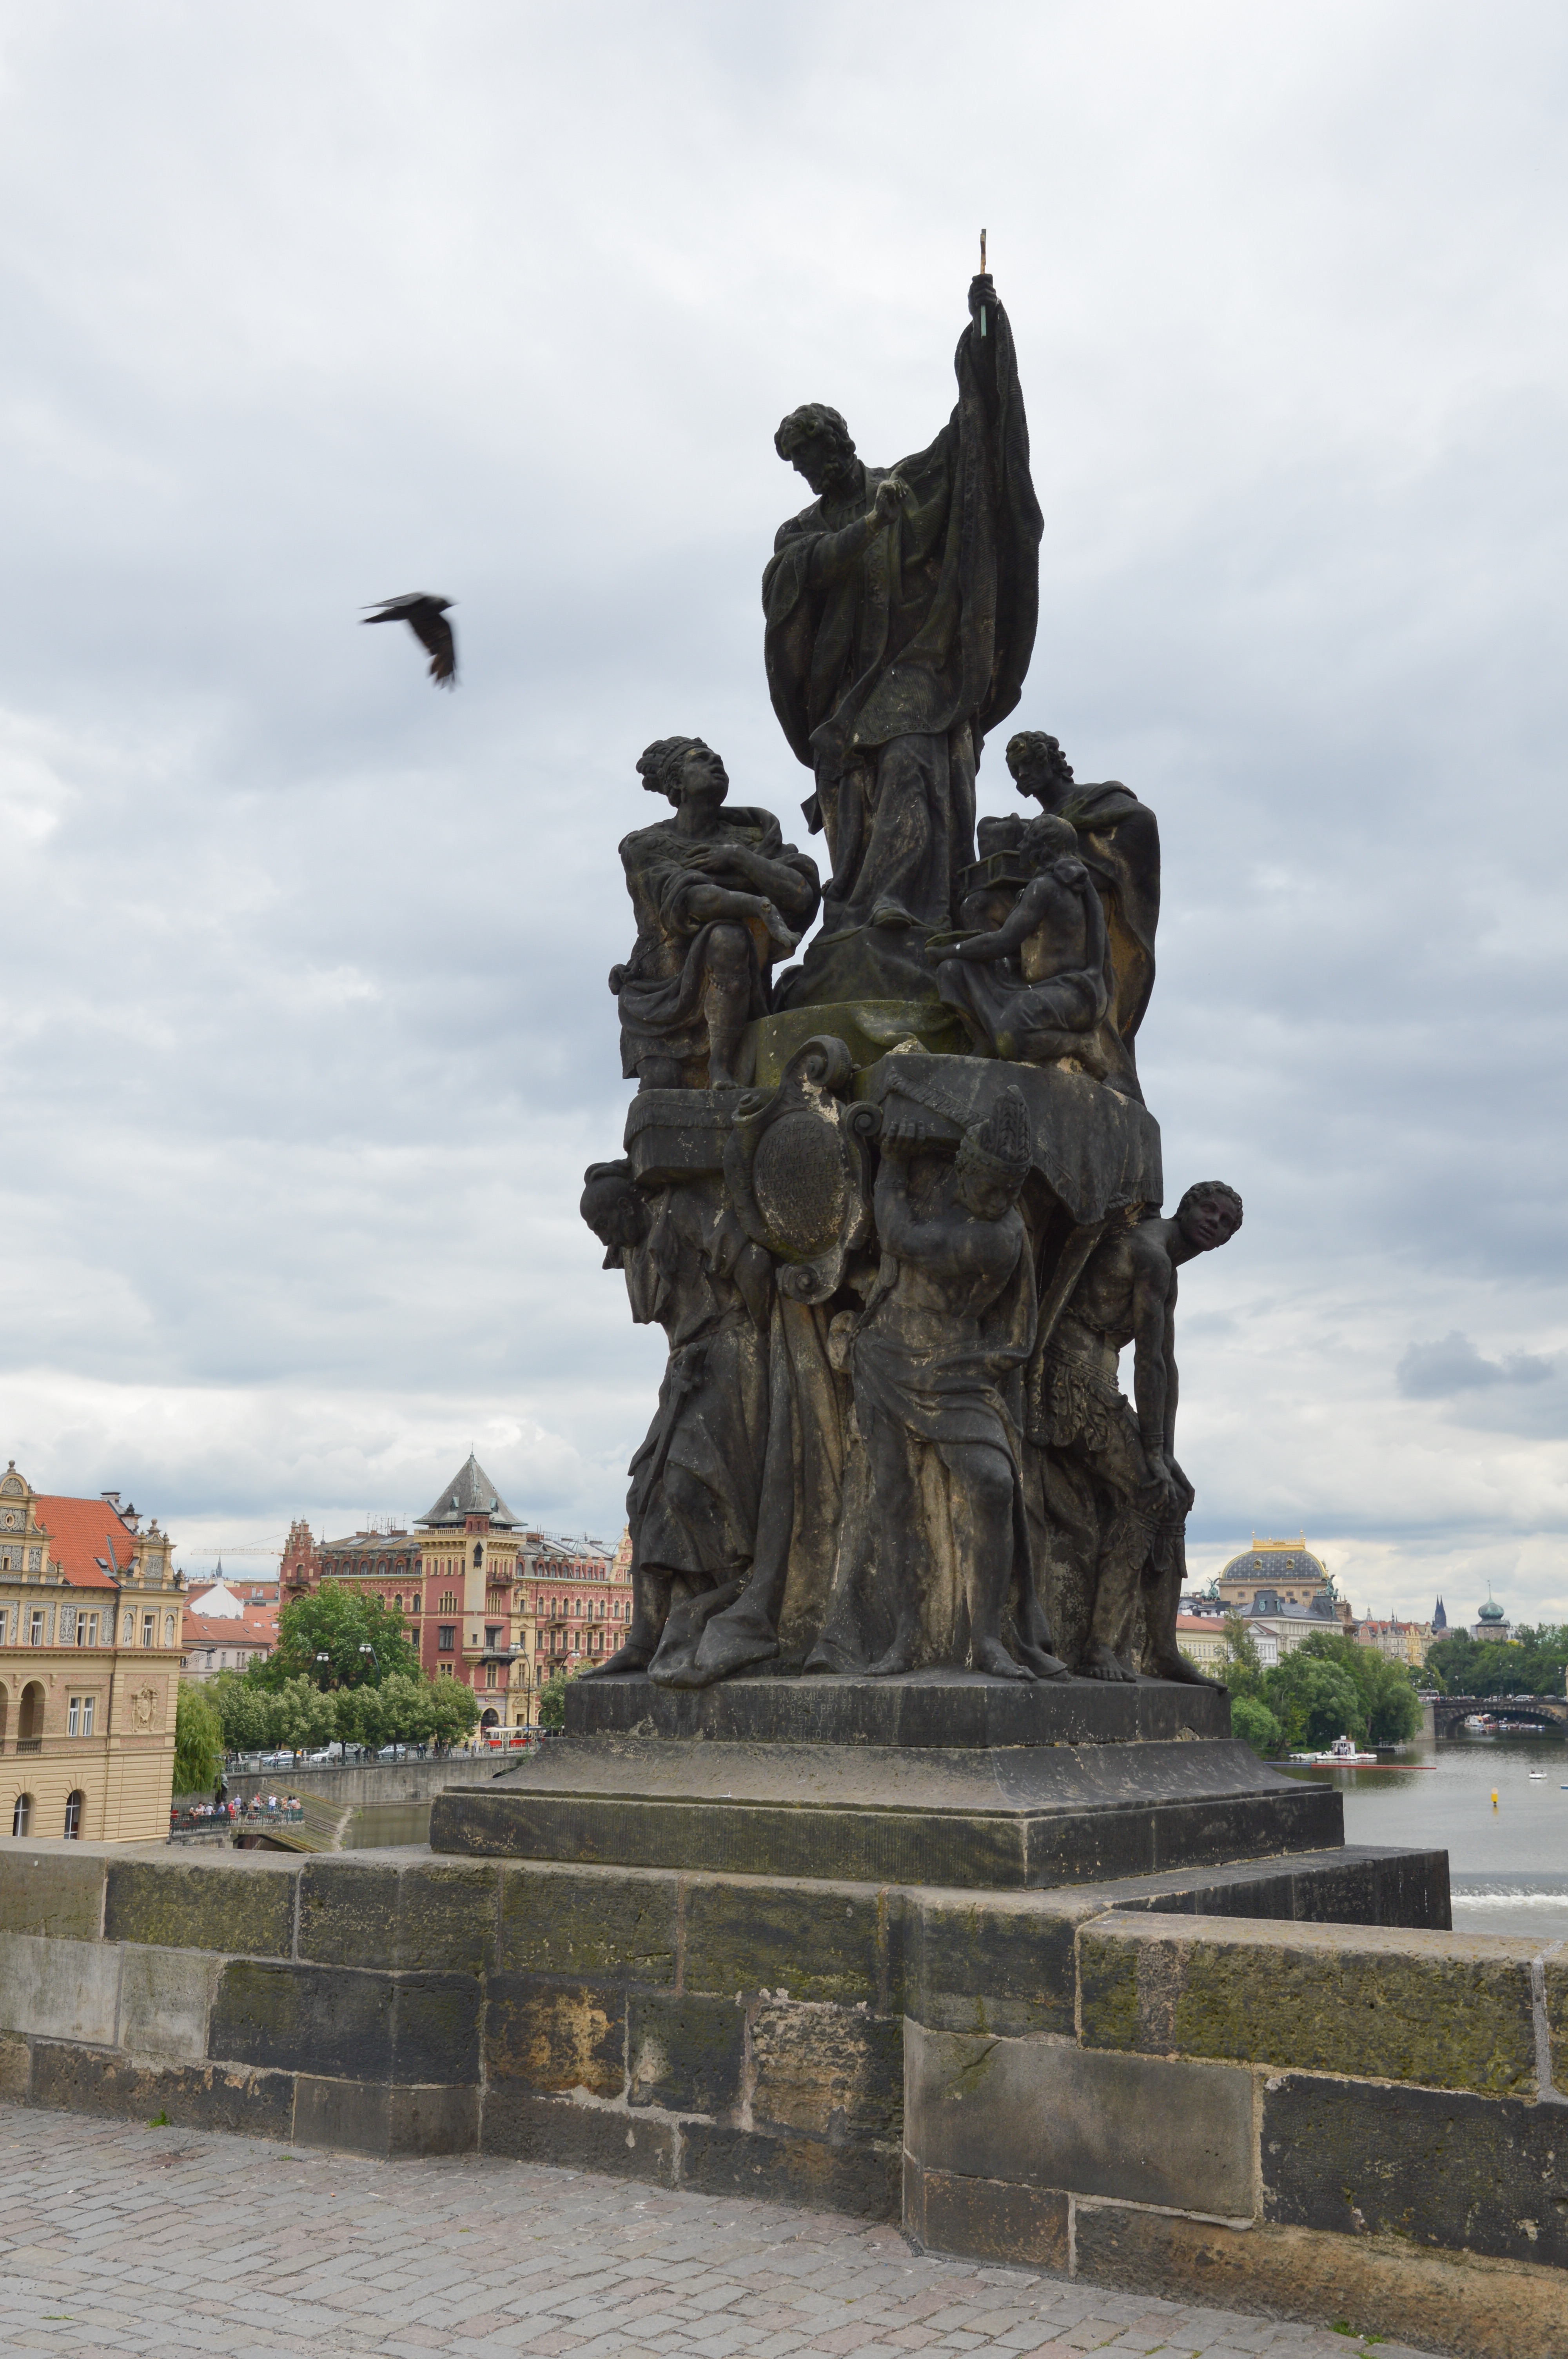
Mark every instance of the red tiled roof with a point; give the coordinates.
(1201, 1622)
(257, 1628)
(81, 1531)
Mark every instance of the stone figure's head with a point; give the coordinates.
(1209, 1215)
(993, 1157)
(614, 1207)
(818, 444)
(1039, 767)
(684, 769)
(1047, 841)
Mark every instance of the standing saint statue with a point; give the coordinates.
(901, 609)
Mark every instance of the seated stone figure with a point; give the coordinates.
(1118, 843)
(719, 896)
(1036, 987)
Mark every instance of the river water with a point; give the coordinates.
(1508, 1865)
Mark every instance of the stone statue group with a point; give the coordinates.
(897, 1206)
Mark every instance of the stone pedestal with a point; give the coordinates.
(949, 1779)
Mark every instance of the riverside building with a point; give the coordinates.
(90, 1645)
(485, 1598)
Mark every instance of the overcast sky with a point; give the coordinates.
(304, 1032)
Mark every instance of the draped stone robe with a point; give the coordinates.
(888, 662)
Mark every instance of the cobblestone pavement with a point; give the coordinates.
(117, 2239)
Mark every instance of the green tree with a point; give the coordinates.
(1389, 1708)
(338, 1637)
(198, 1740)
(552, 1711)
(301, 1716)
(1315, 1701)
(1256, 1724)
(244, 1711)
(454, 1709)
(1240, 1666)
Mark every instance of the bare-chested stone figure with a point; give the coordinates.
(1128, 1295)
(1034, 988)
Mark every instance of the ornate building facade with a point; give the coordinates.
(484, 1598)
(90, 1645)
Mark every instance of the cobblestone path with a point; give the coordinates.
(117, 2239)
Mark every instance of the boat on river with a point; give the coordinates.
(1341, 1754)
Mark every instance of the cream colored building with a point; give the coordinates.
(90, 1644)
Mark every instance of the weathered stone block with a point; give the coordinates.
(58, 1990)
(683, 2055)
(576, 2136)
(1366, 2001)
(1038, 2111)
(605, 1924)
(827, 2072)
(241, 1903)
(433, 1918)
(860, 2180)
(556, 2036)
(329, 2020)
(1474, 2308)
(165, 1997)
(811, 1941)
(348, 1913)
(16, 2068)
(369, 2117)
(194, 2096)
(1433, 2167)
(447, 1913)
(984, 2219)
(1000, 1962)
(54, 1890)
(1556, 1977)
(435, 2035)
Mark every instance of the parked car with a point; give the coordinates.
(394, 1753)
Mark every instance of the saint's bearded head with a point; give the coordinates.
(817, 443)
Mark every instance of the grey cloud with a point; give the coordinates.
(304, 1024)
(1436, 1371)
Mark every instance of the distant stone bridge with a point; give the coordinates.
(1448, 1712)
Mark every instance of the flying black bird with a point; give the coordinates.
(426, 618)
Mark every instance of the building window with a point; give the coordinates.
(22, 1815)
(413, 1608)
(491, 1637)
(478, 1554)
(490, 1675)
(448, 1601)
(73, 1817)
(87, 1629)
(446, 1636)
(149, 1629)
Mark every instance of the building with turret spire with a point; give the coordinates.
(484, 1598)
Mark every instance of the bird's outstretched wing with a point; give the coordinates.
(426, 618)
(432, 630)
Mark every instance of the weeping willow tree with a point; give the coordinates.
(198, 1740)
